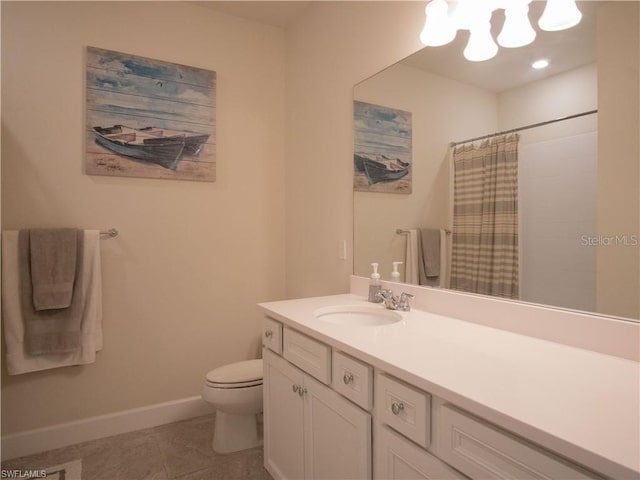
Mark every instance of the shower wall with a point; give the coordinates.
(557, 182)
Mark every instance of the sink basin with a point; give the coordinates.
(357, 315)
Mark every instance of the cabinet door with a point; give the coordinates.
(396, 458)
(337, 435)
(283, 418)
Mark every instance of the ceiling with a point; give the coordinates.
(565, 50)
(277, 13)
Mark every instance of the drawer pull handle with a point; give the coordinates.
(302, 391)
(347, 378)
(268, 333)
(396, 408)
(295, 388)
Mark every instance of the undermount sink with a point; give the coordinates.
(358, 315)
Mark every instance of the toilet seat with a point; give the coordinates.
(236, 375)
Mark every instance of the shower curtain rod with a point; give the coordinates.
(526, 127)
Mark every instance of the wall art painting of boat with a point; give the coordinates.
(149, 118)
(382, 149)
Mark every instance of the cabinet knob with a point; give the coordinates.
(347, 378)
(268, 333)
(295, 387)
(396, 408)
(302, 391)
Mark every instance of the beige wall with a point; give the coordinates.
(331, 48)
(442, 110)
(192, 259)
(619, 157)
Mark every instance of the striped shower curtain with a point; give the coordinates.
(484, 256)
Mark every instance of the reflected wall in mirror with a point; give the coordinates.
(578, 179)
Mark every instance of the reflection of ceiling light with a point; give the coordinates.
(559, 15)
(481, 46)
(539, 64)
(517, 30)
(437, 28)
(441, 24)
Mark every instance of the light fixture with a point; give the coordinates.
(441, 25)
(540, 64)
(438, 30)
(517, 30)
(559, 15)
(481, 46)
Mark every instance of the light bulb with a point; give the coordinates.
(517, 30)
(559, 15)
(438, 29)
(481, 46)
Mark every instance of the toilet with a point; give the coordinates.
(236, 392)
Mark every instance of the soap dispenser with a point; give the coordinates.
(374, 285)
(395, 274)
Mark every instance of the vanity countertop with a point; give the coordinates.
(581, 404)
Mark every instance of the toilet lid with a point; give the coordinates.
(246, 372)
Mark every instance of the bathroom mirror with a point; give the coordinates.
(577, 207)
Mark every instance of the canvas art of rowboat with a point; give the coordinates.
(380, 168)
(160, 146)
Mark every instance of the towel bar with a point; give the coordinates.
(400, 231)
(112, 232)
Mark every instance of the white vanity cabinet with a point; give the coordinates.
(344, 406)
(310, 431)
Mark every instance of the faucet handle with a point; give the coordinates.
(389, 299)
(385, 294)
(404, 302)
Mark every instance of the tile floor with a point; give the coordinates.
(179, 450)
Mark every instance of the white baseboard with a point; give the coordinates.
(65, 434)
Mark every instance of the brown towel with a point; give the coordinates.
(429, 256)
(53, 266)
(55, 330)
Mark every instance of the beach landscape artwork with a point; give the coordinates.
(382, 149)
(149, 118)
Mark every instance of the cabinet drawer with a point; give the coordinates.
(481, 450)
(396, 458)
(272, 335)
(353, 379)
(310, 355)
(403, 408)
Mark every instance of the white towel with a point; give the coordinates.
(445, 259)
(18, 361)
(412, 271)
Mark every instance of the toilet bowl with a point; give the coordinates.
(235, 390)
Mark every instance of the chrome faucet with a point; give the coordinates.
(392, 302)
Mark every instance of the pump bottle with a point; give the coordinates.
(395, 274)
(374, 285)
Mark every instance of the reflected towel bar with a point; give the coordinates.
(112, 233)
(400, 231)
